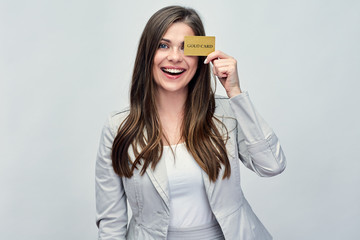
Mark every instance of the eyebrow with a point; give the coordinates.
(167, 40)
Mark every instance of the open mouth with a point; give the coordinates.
(173, 71)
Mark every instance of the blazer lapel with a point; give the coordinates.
(159, 179)
(209, 186)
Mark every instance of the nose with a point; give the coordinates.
(175, 55)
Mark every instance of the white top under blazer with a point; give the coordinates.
(189, 206)
(251, 141)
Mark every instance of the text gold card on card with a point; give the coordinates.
(198, 45)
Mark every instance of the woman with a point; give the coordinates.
(174, 154)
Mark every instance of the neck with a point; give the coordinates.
(171, 104)
(170, 107)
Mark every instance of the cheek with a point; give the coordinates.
(157, 59)
(156, 62)
(192, 62)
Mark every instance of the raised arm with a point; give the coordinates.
(259, 147)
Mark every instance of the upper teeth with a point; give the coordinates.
(173, 70)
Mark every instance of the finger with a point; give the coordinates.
(220, 68)
(225, 68)
(222, 72)
(216, 55)
(214, 70)
(223, 62)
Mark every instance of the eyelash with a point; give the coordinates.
(163, 45)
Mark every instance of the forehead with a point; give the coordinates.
(178, 30)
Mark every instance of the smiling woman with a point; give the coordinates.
(174, 155)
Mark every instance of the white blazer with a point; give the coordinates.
(251, 140)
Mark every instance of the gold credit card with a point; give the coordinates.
(198, 45)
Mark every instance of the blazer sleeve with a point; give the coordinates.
(259, 147)
(111, 206)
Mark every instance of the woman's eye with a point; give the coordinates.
(163, 45)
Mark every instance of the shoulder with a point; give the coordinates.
(115, 118)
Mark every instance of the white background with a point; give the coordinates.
(64, 65)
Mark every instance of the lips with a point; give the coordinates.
(173, 71)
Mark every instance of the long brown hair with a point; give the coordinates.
(141, 129)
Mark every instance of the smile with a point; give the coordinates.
(173, 71)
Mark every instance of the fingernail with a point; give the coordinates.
(205, 62)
